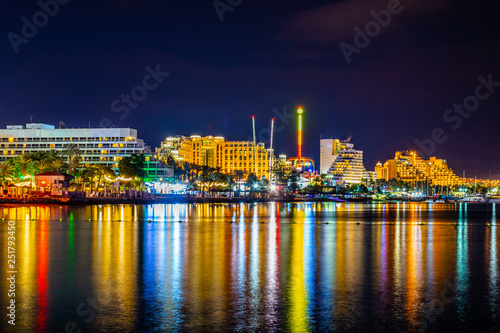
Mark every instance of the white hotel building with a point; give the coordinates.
(341, 162)
(97, 145)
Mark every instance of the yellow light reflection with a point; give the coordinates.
(298, 319)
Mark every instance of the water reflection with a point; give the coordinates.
(296, 293)
(462, 263)
(41, 276)
(275, 267)
(493, 299)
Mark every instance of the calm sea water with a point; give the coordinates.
(254, 268)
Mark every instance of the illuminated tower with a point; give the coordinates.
(254, 145)
(299, 134)
(271, 151)
(300, 163)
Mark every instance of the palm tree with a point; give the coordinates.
(211, 179)
(294, 181)
(251, 182)
(53, 155)
(170, 160)
(178, 170)
(42, 165)
(230, 182)
(23, 161)
(88, 175)
(74, 164)
(100, 171)
(6, 171)
(57, 164)
(197, 169)
(72, 150)
(281, 172)
(239, 175)
(322, 180)
(187, 167)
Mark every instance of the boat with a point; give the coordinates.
(474, 199)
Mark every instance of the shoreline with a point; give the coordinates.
(166, 200)
(189, 200)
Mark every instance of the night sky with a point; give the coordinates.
(264, 55)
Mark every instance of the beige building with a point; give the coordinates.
(170, 147)
(216, 152)
(411, 168)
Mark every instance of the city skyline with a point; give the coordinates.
(250, 166)
(344, 144)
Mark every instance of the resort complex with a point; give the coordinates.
(408, 167)
(342, 163)
(40, 158)
(216, 152)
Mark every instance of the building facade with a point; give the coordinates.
(344, 164)
(348, 168)
(407, 166)
(329, 150)
(216, 152)
(155, 170)
(106, 146)
(170, 147)
(97, 145)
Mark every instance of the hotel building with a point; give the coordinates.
(170, 147)
(216, 152)
(330, 149)
(407, 166)
(105, 146)
(341, 162)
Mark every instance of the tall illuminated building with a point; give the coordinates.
(329, 151)
(348, 168)
(216, 152)
(342, 163)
